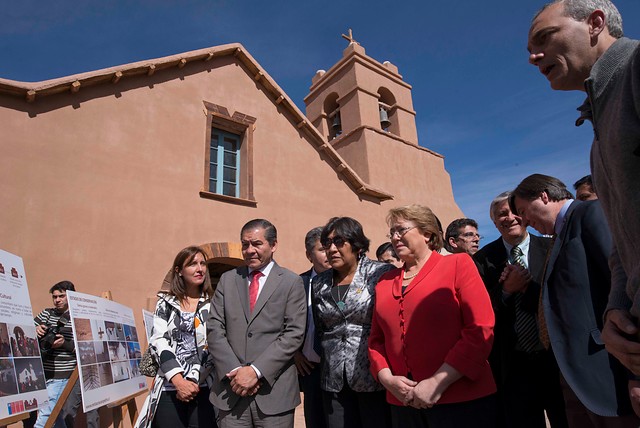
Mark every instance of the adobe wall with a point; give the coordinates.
(102, 187)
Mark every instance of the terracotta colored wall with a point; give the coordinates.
(101, 187)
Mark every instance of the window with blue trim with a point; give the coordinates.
(224, 163)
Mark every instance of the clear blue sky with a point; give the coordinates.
(478, 101)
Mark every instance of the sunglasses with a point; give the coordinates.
(338, 241)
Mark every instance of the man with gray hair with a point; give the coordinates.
(579, 45)
(526, 373)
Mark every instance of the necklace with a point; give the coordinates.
(405, 277)
(341, 304)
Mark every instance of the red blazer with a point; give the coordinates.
(445, 315)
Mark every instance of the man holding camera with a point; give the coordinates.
(53, 326)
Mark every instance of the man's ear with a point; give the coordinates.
(545, 197)
(452, 242)
(597, 23)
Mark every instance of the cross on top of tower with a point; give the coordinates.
(350, 37)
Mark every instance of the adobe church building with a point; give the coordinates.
(106, 175)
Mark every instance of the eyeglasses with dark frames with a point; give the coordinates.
(338, 241)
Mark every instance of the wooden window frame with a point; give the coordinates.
(243, 126)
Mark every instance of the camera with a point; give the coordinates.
(46, 342)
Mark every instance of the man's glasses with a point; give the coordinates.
(469, 235)
(400, 232)
(338, 241)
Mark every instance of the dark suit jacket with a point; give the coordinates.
(491, 261)
(268, 337)
(306, 279)
(577, 284)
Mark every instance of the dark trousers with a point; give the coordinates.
(350, 409)
(478, 413)
(581, 417)
(313, 408)
(530, 387)
(173, 413)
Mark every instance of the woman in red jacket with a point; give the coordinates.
(432, 331)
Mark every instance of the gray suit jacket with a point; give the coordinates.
(267, 338)
(576, 289)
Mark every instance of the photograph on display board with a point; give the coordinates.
(98, 329)
(135, 368)
(86, 353)
(106, 375)
(118, 351)
(114, 331)
(102, 352)
(30, 374)
(83, 329)
(5, 344)
(24, 340)
(121, 371)
(90, 377)
(8, 383)
(130, 333)
(134, 350)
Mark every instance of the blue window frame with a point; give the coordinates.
(224, 163)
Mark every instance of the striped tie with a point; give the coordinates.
(525, 326)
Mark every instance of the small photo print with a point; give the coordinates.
(98, 330)
(5, 344)
(87, 353)
(130, 333)
(102, 351)
(134, 350)
(135, 368)
(121, 371)
(115, 331)
(90, 377)
(106, 376)
(30, 374)
(8, 384)
(83, 329)
(118, 351)
(24, 340)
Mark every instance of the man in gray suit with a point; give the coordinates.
(257, 324)
(574, 294)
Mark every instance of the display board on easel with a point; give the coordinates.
(107, 348)
(22, 381)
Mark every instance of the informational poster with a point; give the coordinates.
(22, 382)
(147, 317)
(107, 348)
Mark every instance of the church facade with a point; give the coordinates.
(106, 175)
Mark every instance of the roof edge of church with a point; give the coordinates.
(31, 91)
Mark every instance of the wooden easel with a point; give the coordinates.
(13, 419)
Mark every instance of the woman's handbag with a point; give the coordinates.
(148, 364)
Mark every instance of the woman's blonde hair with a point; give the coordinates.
(424, 219)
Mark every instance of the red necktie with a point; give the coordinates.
(254, 287)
